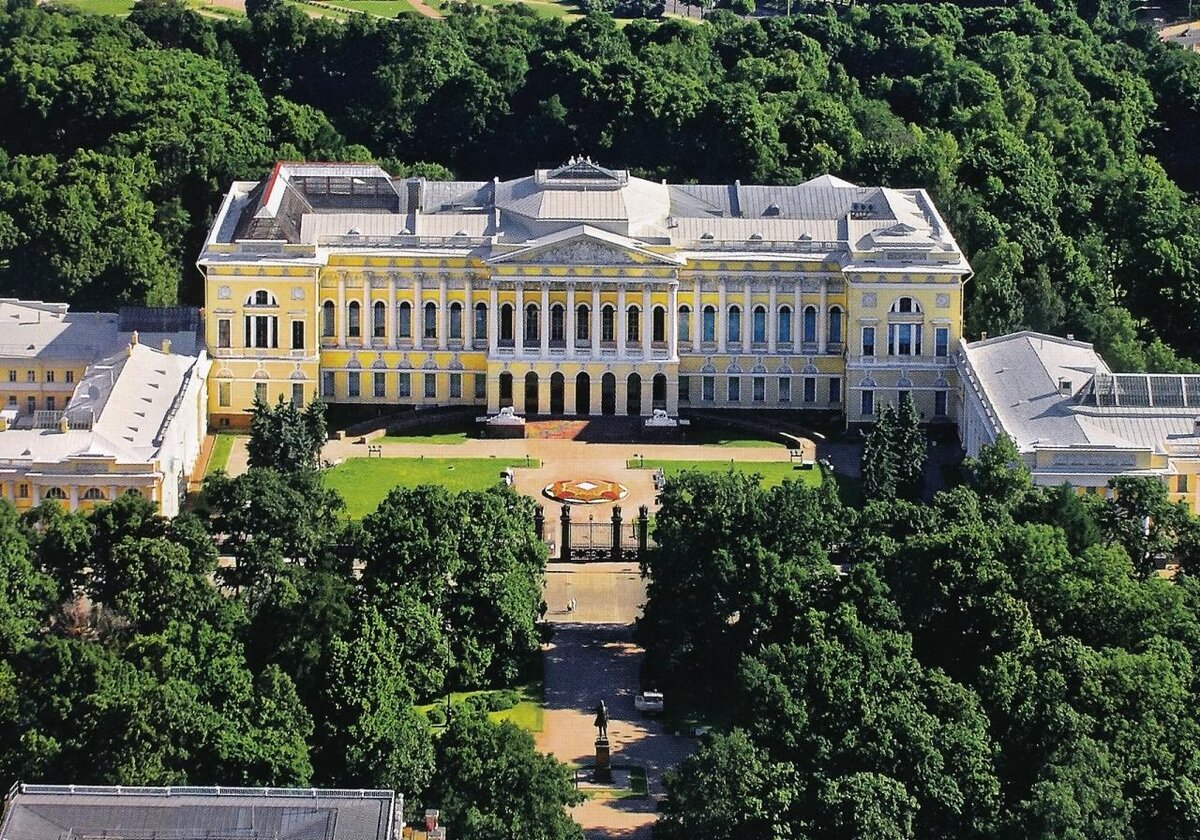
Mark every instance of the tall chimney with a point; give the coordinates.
(166, 346)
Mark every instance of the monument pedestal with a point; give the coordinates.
(603, 771)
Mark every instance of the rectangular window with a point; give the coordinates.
(297, 335)
(70, 376)
(760, 388)
(481, 322)
(868, 341)
(785, 389)
(1181, 483)
(481, 386)
(810, 389)
(12, 376)
(455, 386)
(835, 390)
(734, 389)
(379, 384)
(298, 394)
(939, 403)
(708, 325)
(708, 388)
(430, 321)
(868, 403)
(430, 386)
(224, 394)
(404, 388)
(260, 391)
(31, 404)
(352, 384)
(23, 491)
(405, 321)
(582, 324)
(49, 376)
(901, 396)
(223, 333)
(941, 342)
(30, 376)
(50, 403)
(685, 389)
(327, 384)
(455, 321)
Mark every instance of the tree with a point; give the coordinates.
(893, 459)
(371, 736)
(286, 437)
(481, 765)
(1139, 516)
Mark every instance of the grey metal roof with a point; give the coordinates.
(67, 812)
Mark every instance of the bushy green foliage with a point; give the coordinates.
(998, 663)
(286, 437)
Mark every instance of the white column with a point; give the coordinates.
(36, 493)
(747, 316)
(722, 317)
(443, 319)
(112, 492)
(418, 314)
(519, 330)
(697, 316)
(341, 310)
(74, 497)
(798, 315)
(493, 320)
(569, 329)
(672, 327)
(544, 325)
(596, 320)
(772, 318)
(822, 321)
(622, 321)
(392, 327)
(647, 321)
(468, 327)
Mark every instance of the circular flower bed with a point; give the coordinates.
(591, 491)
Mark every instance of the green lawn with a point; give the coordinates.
(121, 8)
(713, 436)
(222, 449)
(439, 438)
(773, 472)
(542, 8)
(363, 482)
(527, 714)
(379, 8)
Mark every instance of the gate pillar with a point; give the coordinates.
(616, 532)
(565, 542)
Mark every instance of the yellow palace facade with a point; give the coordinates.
(579, 291)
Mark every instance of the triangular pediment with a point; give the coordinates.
(585, 245)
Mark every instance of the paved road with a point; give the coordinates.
(585, 663)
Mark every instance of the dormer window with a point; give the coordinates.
(772, 209)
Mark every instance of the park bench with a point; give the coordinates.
(374, 451)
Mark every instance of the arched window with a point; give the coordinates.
(405, 327)
(785, 325)
(328, 312)
(379, 319)
(532, 333)
(93, 494)
(633, 324)
(56, 493)
(133, 491)
(835, 325)
(608, 323)
(431, 320)
(506, 322)
(906, 306)
(659, 332)
(709, 326)
(583, 326)
(261, 297)
(760, 325)
(557, 319)
(735, 324)
(456, 320)
(353, 323)
(685, 323)
(481, 320)
(810, 325)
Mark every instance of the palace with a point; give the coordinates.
(579, 291)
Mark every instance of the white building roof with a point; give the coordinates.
(1049, 392)
(48, 331)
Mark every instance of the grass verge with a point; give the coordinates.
(527, 714)
(218, 459)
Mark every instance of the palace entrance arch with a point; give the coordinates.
(531, 393)
(633, 397)
(557, 389)
(608, 394)
(583, 395)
